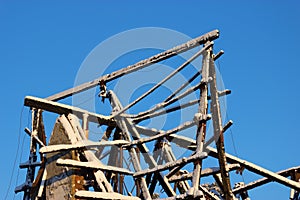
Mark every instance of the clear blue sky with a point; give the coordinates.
(43, 43)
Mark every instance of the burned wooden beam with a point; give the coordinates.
(60, 108)
(139, 65)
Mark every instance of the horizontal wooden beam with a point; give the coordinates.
(139, 65)
(204, 173)
(103, 195)
(81, 144)
(92, 165)
(60, 108)
(170, 165)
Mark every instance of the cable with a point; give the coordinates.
(16, 157)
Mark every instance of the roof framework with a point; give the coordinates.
(73, 167)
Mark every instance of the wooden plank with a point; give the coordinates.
(81, 144)
(103, 195)
(60, 108)
(139, 65)
(92, 165)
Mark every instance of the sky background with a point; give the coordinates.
(43, 43)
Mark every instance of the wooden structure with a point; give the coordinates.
(71, 166)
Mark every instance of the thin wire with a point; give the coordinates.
(16, 157)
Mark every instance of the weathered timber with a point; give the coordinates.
(169, 156)
(102, 182)
(171, 165)
(204, 173)
(265, 180)
(103, 195)
(202, 111)
(181, 67)
(141, 183)
(129, 126)
(256, 169)
(139, 65)
(183, 86)
(161, 134)
(175, 108)
(218, 130)
(208, 193)
(81, 144)
(171, 101)
(60, 108)
(34, 136)
(92, 165)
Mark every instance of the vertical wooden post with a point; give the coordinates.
(218, 131)
(121, 176)
(85, 124)
(201, 126)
